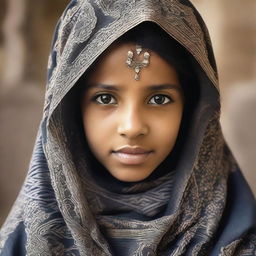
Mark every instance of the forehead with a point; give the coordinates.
(111, 67)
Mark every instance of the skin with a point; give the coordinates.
(119, 112)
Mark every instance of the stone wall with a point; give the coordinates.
(27, 27)
(21, 98)
(232, 24)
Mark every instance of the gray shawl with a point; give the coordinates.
(208, 208)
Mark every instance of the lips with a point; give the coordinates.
(132, 155)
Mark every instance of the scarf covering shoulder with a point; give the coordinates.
(210, 209)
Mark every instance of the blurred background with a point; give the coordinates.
(26, 28)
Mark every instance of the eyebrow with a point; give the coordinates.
(104, 86)
(150, 87)
(164, 86)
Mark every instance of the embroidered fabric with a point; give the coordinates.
(206, 207)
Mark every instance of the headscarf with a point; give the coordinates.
(201, 206)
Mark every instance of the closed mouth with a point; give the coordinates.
(132, 155)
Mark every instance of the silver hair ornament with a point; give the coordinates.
(137, 65)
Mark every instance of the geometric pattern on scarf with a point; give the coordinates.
(53, 213)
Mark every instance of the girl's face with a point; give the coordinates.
(131, 126)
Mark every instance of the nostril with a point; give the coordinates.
(132, 126)
(133, 133)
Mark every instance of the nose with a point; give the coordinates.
(132, 123)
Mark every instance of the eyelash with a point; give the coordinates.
(100, 102)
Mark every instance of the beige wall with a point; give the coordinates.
(232, 24)
(21, 96)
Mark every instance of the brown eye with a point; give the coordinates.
(160, 99)
(105, 99)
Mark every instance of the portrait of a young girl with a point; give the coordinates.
(130, 159)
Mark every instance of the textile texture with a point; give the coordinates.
(201, 207)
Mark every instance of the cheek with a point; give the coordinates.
(97, 128)
(167, 129)
(91, 127)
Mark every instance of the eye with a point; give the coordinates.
(105, 99)
(160, 99)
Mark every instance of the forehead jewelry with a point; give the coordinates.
(136, 64)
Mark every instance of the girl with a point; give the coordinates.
(130, 158)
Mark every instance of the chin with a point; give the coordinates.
(130, 177)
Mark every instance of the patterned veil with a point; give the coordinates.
(201, 207)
